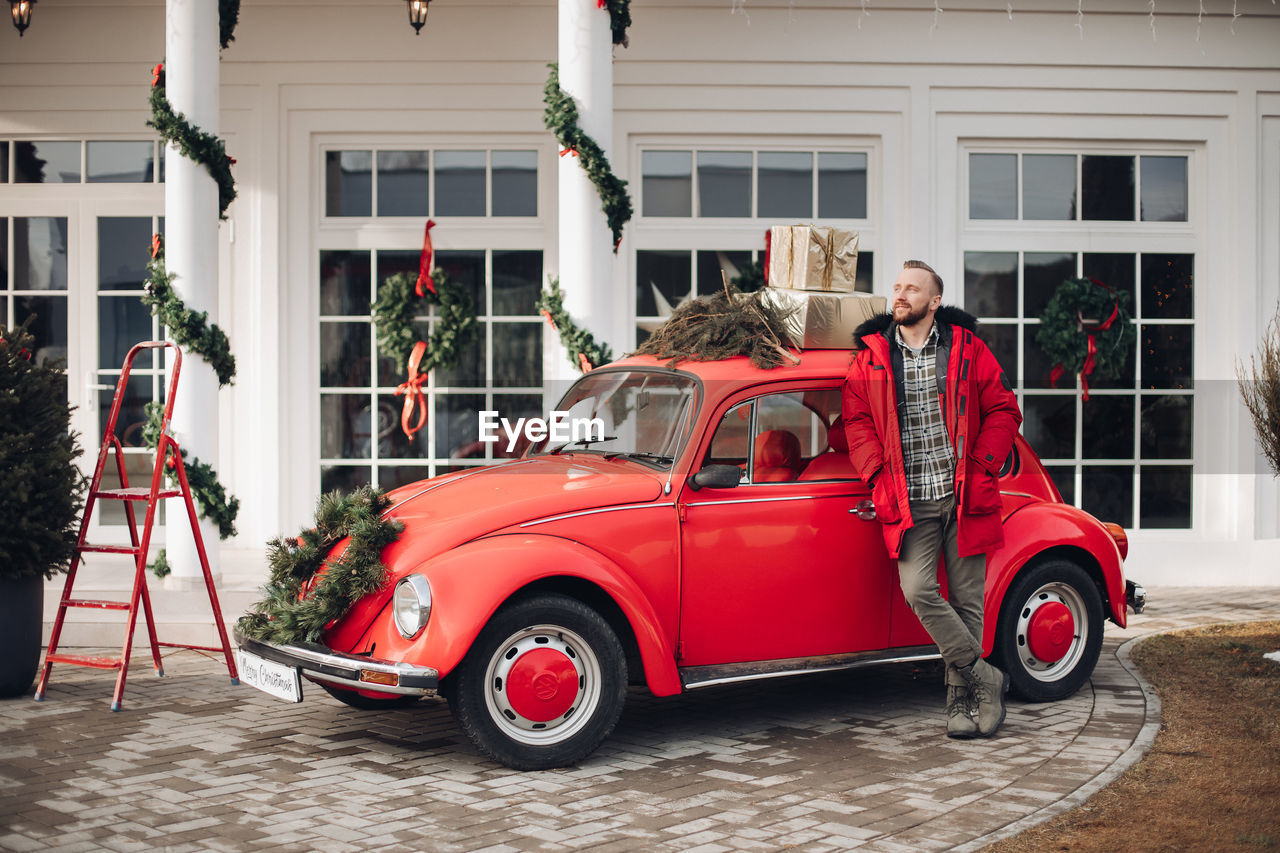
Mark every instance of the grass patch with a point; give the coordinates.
(1212, 779)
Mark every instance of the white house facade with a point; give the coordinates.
(1011, 145)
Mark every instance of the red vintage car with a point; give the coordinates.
(710, 530)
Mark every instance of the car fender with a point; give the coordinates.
(469, 583)
(1042, 528)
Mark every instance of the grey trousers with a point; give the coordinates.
(955, 624)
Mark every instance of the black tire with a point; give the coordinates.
(552, 710)
(368, 703)
(1050, 631)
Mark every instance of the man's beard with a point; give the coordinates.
(911, 317)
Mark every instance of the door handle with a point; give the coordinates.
(865, 510)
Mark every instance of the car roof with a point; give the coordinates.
(813, 364)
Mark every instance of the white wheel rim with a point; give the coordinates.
(1068, 596)
(507, 657)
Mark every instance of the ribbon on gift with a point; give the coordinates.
(828, 256)
(768, 250)
(1091, 343)
(411, 388)
(425, 262)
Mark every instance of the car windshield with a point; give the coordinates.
(642, 415)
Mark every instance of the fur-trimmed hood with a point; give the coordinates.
(948, 315)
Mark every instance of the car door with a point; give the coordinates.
(781, 565)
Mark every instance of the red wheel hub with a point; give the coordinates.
(542, 685)
(1051, 631)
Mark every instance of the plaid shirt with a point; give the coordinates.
(926, 448)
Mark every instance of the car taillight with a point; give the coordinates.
(1122, 538)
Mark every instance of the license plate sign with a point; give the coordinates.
(270, 677)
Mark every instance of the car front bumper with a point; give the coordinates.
(318, 663)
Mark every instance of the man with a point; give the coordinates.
(930, 419)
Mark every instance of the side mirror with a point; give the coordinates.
(716, 477)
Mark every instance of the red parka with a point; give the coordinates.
(981, 413)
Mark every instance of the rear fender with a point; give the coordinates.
(470, 583)
(1043, 529)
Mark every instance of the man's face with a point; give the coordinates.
(915, 297)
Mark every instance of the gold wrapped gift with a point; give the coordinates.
(824, 319)
(813, 257)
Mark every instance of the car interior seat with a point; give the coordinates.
(834, 464)
(777, 455)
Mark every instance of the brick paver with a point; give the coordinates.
(832, 762)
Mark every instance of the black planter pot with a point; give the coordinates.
(21, 622)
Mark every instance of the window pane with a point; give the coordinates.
(1108, 493)
(1107, 186)
(663, 281)
(122, 322)
(391, 373)
(711, 263)
(1002, 340)
(4, 260)
(120, 162)
(344, 426)
(517, 282)
(1166, 287)
(392, 442)
(400, 261)
(515, 183)
(511, 407)
(1036, 366)
(344, 283)
(124, 244)
(1049, 424)
(785, 184)
(1166, 426)
(1042, 272)
(50, 326)
(46, 162)
(460, 183)
(667, 183)
(344, 478)
(403, 183)
(1166, 356)
(469, 371)
(132, 417)
(344, 355)
(1048, 186)
(4, 161)
(1164, 189)
(1165, 496)
(348, 183)
(993, 186)
(1115, 270)
(39, 253)
(1064, 478)
(467, 269)
(842, 185)
(394, 476)
(517, 355)
(864, 279)
(457, 425)
(991, 283)
(724, 183)
(1107, 427)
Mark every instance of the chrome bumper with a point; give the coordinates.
(1135, 596)
(321, 664)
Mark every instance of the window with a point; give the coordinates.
(781, 438)
(439, 182)
(1124, 455)
(35, 285)
(76, 161)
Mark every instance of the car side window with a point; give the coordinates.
(732, 440)
(783, 438)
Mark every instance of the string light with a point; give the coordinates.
(740, 7)
(863, 14)
(1080, 18)
(1151, 16)
(937, 15)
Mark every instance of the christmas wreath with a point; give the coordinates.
(1085, 329)
(584, 352)
(298, 606)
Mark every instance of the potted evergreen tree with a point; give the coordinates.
(40, 496)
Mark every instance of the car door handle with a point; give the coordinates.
(865, 510)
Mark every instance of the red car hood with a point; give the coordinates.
(445, 512)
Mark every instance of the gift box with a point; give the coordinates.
(813, 257)
(823, 319)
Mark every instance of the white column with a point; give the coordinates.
(191, 253)
(586, 244)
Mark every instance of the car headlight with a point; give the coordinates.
(411, 605)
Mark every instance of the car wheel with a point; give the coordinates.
(1050, 631)
(368, 703)
(542, 685)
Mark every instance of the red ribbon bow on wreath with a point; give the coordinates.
(412, 391)
(425, 261)
(1091, 347)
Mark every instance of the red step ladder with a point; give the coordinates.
(166, 453)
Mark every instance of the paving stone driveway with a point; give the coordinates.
(831, 762)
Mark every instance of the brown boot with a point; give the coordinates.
(960, 724)
(988, 686)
